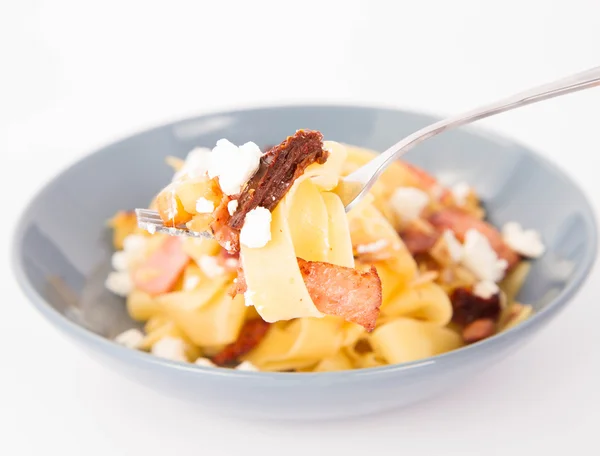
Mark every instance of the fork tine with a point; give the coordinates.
(151, 221)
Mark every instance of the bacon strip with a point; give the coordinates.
(417, 241)
(425, 180)
(336, 290)
(460, 222)
(278, 170)
(467, 307)
(251, 334)
(160, 271)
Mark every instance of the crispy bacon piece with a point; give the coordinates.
(425, 180)
(336, 290)
(460, 222)
(159, 273)
(278, 169)
(251, 334)
(344, 292)
(227, 237)
(468, 307)
(418, 241)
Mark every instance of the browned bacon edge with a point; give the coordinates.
(278, 169)
(468, 307)
(250, 335)
(348, 293)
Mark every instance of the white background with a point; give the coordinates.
(76, 75)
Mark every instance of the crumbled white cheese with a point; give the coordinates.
(233, 165)
(134, 250)
(204, 206)
(228, 246)
(481, 259)
(485, 289)
(135, 244)
(246, 366)
(455, 248)
(132, 338)
(210, 266)
(256, 231)
(119, 261)
(191, 282)
(232, 206)
(526, 242)
(460, 191)
(409, 202)
(119, 282)
(171, 348)
(195, 165)
(204, 362)
(372, 246)
(248, 295)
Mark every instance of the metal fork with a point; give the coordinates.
(355, 186)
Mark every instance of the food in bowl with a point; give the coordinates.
(290, 282)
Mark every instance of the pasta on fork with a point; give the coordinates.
(291, 282)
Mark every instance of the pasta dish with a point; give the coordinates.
(290, 282)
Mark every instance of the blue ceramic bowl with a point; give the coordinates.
(62, 255)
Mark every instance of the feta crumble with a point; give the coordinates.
(171, 348)
(409, 202)
(372, 246)
(119, 282)
(232, 206)
(132, 338)
(481, 259)
(455, 248)
(210, 266)
(256, 231)
(119, 261)
(191, 283)
(233, 165)
(204, 206)
(204, 362)
(195, 165)
(460, 192)
(246, 366)
(248, 295)
(526, 242)
(485, 289)
(135, 245)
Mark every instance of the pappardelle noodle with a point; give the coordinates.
(292, 283)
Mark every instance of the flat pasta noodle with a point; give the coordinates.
(299, 227)
(297, 344)
(426, 302)
(404, 340)
(211, 322)
(368, 225)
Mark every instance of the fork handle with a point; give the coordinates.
(565, 85)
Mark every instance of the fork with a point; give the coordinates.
(353, 188)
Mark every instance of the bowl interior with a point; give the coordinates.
(63, 247)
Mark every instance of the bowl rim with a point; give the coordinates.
(136, 356)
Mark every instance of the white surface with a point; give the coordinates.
(76, 75)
